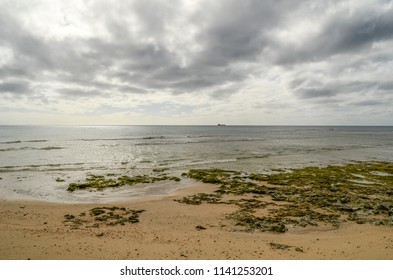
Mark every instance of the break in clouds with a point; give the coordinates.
(196, 62)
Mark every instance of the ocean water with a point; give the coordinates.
(32, 157)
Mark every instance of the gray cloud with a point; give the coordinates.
(14, 87)
(344, 32)
(309, 89)
(129, 89)
(233, 32)
(12, 71)
(75, 93)
(386, 86)
(367, 103)
(213, 49)
(316, 93)
(236, 31)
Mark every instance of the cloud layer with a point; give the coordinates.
(196, 62)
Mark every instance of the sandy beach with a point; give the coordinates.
(171, 230)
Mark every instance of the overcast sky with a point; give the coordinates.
(196, 62)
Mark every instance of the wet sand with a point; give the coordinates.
(169, 230)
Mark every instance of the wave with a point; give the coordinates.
(50, 148)
(152, 138)
(253, 156)
(211, 161)
(198, 142)
(200, 136)
(36, 141)
(50, 167)
(146, 140)
(11, 142)
(31, 148)
(26, 141)
(122, 139)
(184, 164)
(172, 140)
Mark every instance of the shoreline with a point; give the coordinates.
(171, 230)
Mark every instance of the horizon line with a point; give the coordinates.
(221, 125)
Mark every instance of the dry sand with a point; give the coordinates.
(167, 230)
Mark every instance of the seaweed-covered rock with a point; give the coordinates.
(359, 192)
(109, 216)
(100, 183)
(199, 198)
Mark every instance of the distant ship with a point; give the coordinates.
(221, 124)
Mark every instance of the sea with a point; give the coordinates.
(34, 158)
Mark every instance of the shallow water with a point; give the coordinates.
(32, 157)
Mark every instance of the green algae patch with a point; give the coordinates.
(249, 222)
(160, 170)
(279, 246)
(100, 182)
(210, 176)
(360, 192)
(69, 217)
(200, 198)
(103, 216)
(363, 173)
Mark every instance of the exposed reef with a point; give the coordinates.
(361, 192)
(100, 182)
(103, 216)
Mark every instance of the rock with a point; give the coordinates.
(200, 228)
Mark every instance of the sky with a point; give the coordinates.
(249, 62)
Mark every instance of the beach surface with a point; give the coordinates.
(171, 230)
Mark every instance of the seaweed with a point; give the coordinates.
(280, 246)
(69, 217)
(250, 222)
(160, 170)
(360, 192)
(199, 198)
(211, 176)
(109, 216)
(96, 211)
(100, 183)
